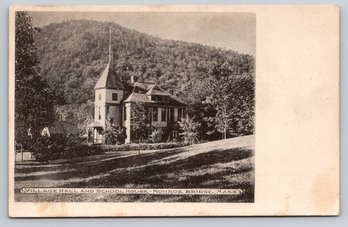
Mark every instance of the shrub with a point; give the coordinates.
(46, 149)
(156, 136)
(145, 146)
(189, 128)
(115, 135)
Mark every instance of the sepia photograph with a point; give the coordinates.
(173, 110)
(134, 106)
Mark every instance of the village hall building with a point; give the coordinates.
(113, 99)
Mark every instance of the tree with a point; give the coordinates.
(139, 121)
(34, 99)
(189, 128)
(80, 114)
(244, 99)
(232, 96)
(73, 54)
(202, 111)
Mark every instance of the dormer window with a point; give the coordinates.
(114, 97)
(159, 98)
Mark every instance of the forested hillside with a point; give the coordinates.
(72, 55)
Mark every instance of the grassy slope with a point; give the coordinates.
(219, 164)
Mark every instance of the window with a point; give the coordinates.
(164, 114)
(179, 114)
(157, 98)
(147, 114)
(100, 96)
(99, 116)
(155, 113)
(114, 97)
(107, 111)
(168, 114)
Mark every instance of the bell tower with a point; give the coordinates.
(109, 91)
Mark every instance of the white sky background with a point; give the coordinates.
(234, 31)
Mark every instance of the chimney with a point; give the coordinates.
(134, 79)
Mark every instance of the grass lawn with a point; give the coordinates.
(220, 164)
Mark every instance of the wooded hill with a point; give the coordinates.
(73, 54)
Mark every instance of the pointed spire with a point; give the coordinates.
(111, 54)
(109, 78)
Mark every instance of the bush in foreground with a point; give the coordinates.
(46, 149)
(145, 146)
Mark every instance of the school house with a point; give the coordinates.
(114, 98)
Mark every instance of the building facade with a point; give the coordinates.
(114, 99)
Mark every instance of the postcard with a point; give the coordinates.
(167, 110)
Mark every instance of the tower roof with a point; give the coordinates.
(109, 77)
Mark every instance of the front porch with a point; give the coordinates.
(95, 133)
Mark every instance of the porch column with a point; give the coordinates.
(127, 122)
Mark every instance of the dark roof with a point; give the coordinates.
(64, 127)
(142, 92)
(138, 97)
(144, 85)
(109, 79)
(155, 90)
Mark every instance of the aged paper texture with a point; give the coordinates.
(228, 110)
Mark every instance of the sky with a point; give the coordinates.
(234, 31)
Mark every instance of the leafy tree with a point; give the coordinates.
(244, 99)
(34, 99)
(232, 96)
(139, 121)
(189, 128)
(201, 112)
